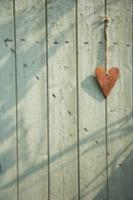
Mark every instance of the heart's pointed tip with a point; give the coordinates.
(105, 93)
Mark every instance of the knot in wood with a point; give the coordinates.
(106, 20)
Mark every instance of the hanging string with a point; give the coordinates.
(106, 78)
(106, 21)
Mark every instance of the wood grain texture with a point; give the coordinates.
(119, 111)
(62, 99)
(8, 166)
(32, 99)
(92, 132)
(47, 67)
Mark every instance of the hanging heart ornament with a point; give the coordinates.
(107, 79)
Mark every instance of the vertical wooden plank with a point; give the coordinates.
(120, 134)
(32, 99)
(92, 132)
(8, 172)
(62, 99)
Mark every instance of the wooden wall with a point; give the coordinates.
(59, 138)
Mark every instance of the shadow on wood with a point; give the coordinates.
(91, 87)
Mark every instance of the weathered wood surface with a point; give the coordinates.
(8, 163)
(62, 99)
(57, 133)
(32, 99)
(120, 103)
(91, 102)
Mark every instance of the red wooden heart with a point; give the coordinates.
(107, 79)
